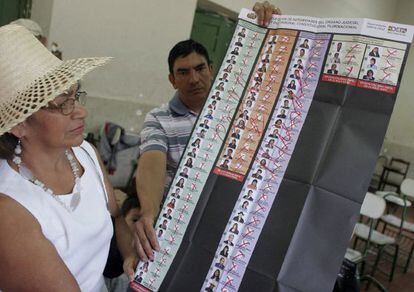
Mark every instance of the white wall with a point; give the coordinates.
(138, 34)
(42, 14)
(401, 128)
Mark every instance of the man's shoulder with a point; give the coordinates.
(162, 110)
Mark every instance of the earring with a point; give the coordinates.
(17, 151)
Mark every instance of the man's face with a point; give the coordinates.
(192, 77)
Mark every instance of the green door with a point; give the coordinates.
(214, 32)
(13, 9)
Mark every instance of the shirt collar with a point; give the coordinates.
(178, 107)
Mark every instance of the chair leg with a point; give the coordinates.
(355, 242)
(374, 267)
(394, 262)
(384, 227)
(377, 284)
(409, 258)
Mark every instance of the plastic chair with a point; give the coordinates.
(404, 227)
(373, 208)
(393, 174)
(358, 257)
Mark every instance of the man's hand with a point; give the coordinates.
(145, 240)
(130, 263)
(264, 11)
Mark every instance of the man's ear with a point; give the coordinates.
(172, 80)
(19, 130)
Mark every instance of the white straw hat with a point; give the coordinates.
(31, 76)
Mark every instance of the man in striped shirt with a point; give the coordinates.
(167, 130)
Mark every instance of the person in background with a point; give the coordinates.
(167, 129)
(33, 27)
(115, 279)
(37, 31)
(56, 201)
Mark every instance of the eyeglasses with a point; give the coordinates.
(68, 106)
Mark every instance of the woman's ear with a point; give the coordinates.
(19, 130)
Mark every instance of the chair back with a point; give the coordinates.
(407, 188)
(373, 206)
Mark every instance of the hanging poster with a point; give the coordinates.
(271, 182)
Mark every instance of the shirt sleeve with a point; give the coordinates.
(153, 135)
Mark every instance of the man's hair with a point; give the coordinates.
(185, 48)
(129, 204)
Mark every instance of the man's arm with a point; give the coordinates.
(150, 181)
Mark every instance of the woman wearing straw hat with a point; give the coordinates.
(55, 202)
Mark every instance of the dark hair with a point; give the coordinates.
(7, 144)
(185, 48)
(129, 203)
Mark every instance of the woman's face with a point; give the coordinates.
(51, 128)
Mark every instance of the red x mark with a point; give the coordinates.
(197, 175)
(240, 254)
(259, 209)
(233, 267)
(229, 282)
(263, 197)
(254, 221)
(157, 272)
(311, 65)
(392, 53)
(193, 186)
(166, 251)
(188, 197)
(247, 232)
(243, 244)
(172, 239)
(180, 217)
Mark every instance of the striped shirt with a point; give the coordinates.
(168, 129)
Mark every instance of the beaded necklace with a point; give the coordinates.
(27, 174)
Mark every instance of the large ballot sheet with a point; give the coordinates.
(271, 182)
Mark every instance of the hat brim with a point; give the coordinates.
(44, 89)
